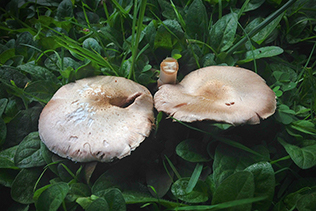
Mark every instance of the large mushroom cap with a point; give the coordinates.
(226, 94)
(97, 119)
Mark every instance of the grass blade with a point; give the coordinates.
(195, 177)
(261, 26)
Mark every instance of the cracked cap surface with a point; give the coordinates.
(97, 119)
(220, 93)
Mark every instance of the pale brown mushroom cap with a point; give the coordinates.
(97, 119)
(221, 93)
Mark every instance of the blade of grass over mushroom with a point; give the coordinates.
(194, 177)
(221, 139)
(261, 26)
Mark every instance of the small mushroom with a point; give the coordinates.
(97, 119)
(168, 71)
(226, 94)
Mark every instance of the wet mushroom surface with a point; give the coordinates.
(221, 93)
(97, 119)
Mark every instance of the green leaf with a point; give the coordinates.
(228, 160)
(304, 157)
(77, 190)
(64, 10)
(7, 74)
(174, 28)
(240, 185)
(7, 177)
(163, 39)
(7, 158)
(41, 91)
(52, 197)
(193, 151)
(3, 127)
(159, 179)
(24, 39)
(196, 21)
(87, 70)
(253, 4)
(133, 197)
(28, 153)
(303, 199)
(264, 184)
(23, 185)
(222, 33)
(38, 73)
(167, 10)
(263, 52)
(92, 44)
(24, 122)
(197, 195)
(284, 114)
(99, 204)
(115, 200)
(263, 34)
(307, 202)
(6, 55)
(304, 126)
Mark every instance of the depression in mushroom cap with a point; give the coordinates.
(225, 94)
(97, 119)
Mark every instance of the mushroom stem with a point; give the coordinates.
(168, 71)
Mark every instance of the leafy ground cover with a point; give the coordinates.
(199, 166)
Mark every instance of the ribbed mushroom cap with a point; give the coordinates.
(97, 119)
(221, 93)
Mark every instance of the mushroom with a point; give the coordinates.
(168, 71)
(226, 94)
(97, 119)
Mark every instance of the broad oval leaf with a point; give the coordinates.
(64, 9)
(197, 195)
(240, 185)
(115, 200)
(7, 158)
(264, 184)
(259, 53)
(193, 151)
(223, 32)
(99, 204)
(264, 33)
(77, 190)
(253, 4)
(41, 91)
(92, 45)
(196, 20)
(38, 73)
(228, 160)
(28, 153)
(304, 157)
(52, 197)
(23, 185)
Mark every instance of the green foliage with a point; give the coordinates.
(198, 166)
